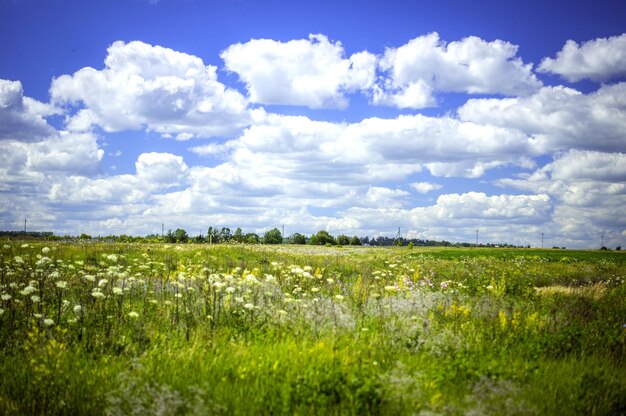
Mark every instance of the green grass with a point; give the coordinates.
(156, 329)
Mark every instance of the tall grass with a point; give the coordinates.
(166, 329)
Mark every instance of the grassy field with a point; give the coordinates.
(195, 329)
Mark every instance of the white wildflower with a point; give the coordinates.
(27, 290)
(102, 282)
(77, 308)
(118, 290)
(251, 279)
(61, 284)
(248, 306)
(48, 322)
(45, 250)
(6, 296)
(133, 314)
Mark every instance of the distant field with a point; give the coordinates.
(125, 329)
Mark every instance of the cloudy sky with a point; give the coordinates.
(358, 117)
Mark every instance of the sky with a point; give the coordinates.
(447, 119)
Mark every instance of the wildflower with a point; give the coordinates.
(133, 314)
(61, 284)
(443, 285)
(6, 296)
(239, 300)
(45, 250)
(230, 289)
(24, 245)
(77, 308)
(307, 275)
(112, 258)
(18, 259)
(35, 298)
(251, 279)
(38, 315)
(6, 246)
(315, 289)
(118, 290)
(330, 281)
(89, 278)
(48, 322)
(391, 289)
(269, 278)
(97, 294)
(248, 306)
(339, 297)
(490, 287)
(102, 282)
(178, 295)
(167, 302)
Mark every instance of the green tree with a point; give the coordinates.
(181, 235)
(273, 237)
(343, 240)
(298, 238)
(251, 238)
(213, 235)
(238, 236)
(355, 241)
(170, 237)
(322, 238)
(225, 234)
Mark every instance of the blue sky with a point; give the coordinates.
(356, 117)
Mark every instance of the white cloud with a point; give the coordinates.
(518, 208)
(598, 60)
(559, 118)
(22, 118)
(311, 72)
(161, 169)
(596, 166)
(145, 86)
(472, 65)
(425, 187)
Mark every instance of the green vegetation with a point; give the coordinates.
(122, 329)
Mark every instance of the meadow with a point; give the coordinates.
(174, 329)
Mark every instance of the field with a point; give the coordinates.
(232, 329)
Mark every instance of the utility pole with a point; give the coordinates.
(541, 240)
(24, 225)
(162, 229)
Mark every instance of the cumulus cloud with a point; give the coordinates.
(161, 169)
(152, 87)
(598, 60)
(312, 72)
(425, 187)
(427, 64)
(597, 166)
(22, 118)
(376, 149)
(559, 118)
